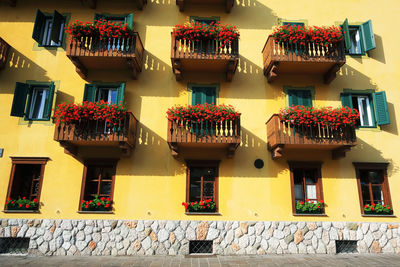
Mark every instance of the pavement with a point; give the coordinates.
(200, 261)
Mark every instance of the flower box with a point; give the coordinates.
(310, 207)
(378, 209)
(22, 204)
(206, 206)
(96, 204)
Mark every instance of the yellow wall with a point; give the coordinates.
(151, 184)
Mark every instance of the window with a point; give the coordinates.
(128, 19)
(33, 101)
(48, 29)
(202, 94)
(359, 39)
(299, 97)
(113, 94)
(98, 179)
(306, 182)
(26, 178)
(205, 20)
(293, 23)
(202, 181)
(372, 107)
(372, 183)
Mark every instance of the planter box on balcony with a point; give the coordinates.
(227, 3)
(93, 3)
(4, 47)
(113, 53)
(285, 58)
(204, 56)
(95, 133)
(207, 135)
(285, 136)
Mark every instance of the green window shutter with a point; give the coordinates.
(368, 36)
(98, 17)
(58, 19)
(89, 93)
(293, 23)
(198, 96)
(49, 102)
(346, 100)
(38, 27)
(346, 33)
(305, 98)
(19, 100)
(381, 108)
(129, 21)
(210, 93)
(120, 94)
(293, 98)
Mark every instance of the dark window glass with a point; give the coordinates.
(202, 183)
(99, 181)
(26, 181)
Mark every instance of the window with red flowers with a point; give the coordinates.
(306, 183)
(98, 183)
(373, 187)
(202, 181)
(25, 183)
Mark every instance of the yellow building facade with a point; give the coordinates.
(256, 207)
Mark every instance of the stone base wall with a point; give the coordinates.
(118, 237)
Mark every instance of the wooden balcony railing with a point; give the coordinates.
(311, 58)
(110, 53)
(4, 47)
(224, 134)
(227, 3)
(97, 133)
(204, 56)
(282, 136)
(93, 3)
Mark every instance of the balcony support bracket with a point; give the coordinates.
(230, 70)
(177, 69)
(174, 149)
(181, 4)
(80, 68)
(331, 74)
(276, 152)
(126, 149)
(340, 152)
(131, 66)
(69, 149)
(229, 5)
(12, 3)
(231, 150)
(272, 74)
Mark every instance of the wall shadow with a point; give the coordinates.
(378, 53)
(392, 127)
(62, 97)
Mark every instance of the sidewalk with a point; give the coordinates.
(265, 260)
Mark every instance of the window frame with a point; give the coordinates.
(319, 188)
(203, 164)
(286, 90)
(45, 27)
(192, 87)
(371, 107)
(97, 162)
(28, 105)
(197, 18)
(375, 166)
(26, 161)
(91, 91)
(362, 52)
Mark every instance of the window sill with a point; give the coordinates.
(310, 214)
(94, 212)
(378, 215)
(203, 213)
(21, 211)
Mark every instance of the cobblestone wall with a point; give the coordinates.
(118, 237)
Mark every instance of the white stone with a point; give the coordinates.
(81, 225)
(314, 242)
(66, 245)
(251, 230)
(281, 225)
(338, 225)
(383, 227)
(31, 232)
(163, 235)
(39, 240)
(389, 234)
(170, 226)
(244, 241)
(373, 227)
(388, 248)
(59, 242)
(273, 242)
(81, 245)
(58, 232)
(44, 247)
(308, 235)
(377, 234)
(124, 231)
(302, 248)
(383, 241)
(146, 243)
(368, 238)
(318, 232)
(264, 244)
(325, 237)
(67, 235)
(321, 247)
(301, 225)
(80, 236)
(326, 225)
(293, 228)
(190, 234)
(259, 227)
(96, 237)
(292, 248)
(283, 244)
(252, 240)
(229, 237)
(140, 226)
(212, 234)
(179, 234)
(220, 225)
(184, 224)
(66, 225)
(267, 225)
(365, 228)
(333, 234)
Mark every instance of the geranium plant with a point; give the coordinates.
(326, 116)
(101, 28)
(310, 207)
(112, 114)
(378, 209)
(202, 206)
(202, 112)
(22, 204)
(299, 34)
(96, 204)
(196, 31)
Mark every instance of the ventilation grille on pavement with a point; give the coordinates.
(14, 245)
(346, 246)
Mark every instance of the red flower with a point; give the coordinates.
(98, 203)
(24, 198)
(27, 206)
(20, 205)
(102, 199)
(301, 202)
(35, 200)
(107, 205)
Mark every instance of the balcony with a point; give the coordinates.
(209, 136)
(282, 136)
(96, 133)
(228, 4)
(4, 47)
(285, 58)
(93, 3)
(204, 56)
(112, 53)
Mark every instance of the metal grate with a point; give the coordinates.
(200, 247)
(14, 245)
(346, 246)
